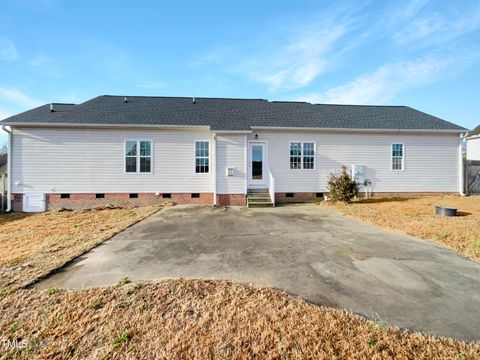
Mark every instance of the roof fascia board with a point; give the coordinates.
(206, 127)
(107, 126)
(232, 131)
(472, 137)
(452, 131)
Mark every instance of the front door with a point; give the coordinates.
(256, 164)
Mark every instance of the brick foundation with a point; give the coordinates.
(17, 202)
(298, 197)
(303, 197)
(405, 194)
(231, 200)
(85, 201)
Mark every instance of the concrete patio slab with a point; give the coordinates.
(306, 250)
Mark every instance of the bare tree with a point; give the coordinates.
(3, 154)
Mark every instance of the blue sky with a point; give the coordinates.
(420, 53)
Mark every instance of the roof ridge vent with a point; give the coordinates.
(51, 108)
(125, 99)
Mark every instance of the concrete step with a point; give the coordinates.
(259, 196)
(264, 200)
(262, 190)
(257, 204)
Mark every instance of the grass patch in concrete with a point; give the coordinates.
(416, 217)
(202, 319)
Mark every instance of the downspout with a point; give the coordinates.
(461, 167)
(214, 169)
(9, 169)
(245, 155)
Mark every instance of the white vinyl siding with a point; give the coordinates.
(473, 148)
(231, 154)
(93, 161)
(431, 164)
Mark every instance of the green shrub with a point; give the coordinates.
(121, 339)
(123, 281)
(342, 186)
(98, 304)
(53, 290)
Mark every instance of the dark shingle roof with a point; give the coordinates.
(231, 114)
(474, 132)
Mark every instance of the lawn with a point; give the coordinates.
(415, 216)
(32, 245)
(201, 319)
(179, 319)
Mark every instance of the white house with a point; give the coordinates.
(473, 144)
(143, 150)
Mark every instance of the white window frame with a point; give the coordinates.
(201, 157)
(301, 154)
(391, 157)
(138, 156)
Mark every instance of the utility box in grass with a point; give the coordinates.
(34, 202)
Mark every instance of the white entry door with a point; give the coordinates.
(256, 164)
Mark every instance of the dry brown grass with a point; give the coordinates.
(201, 319)
(32, 245)
(415, 216)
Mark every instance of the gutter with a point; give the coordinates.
(233, 132)
(214, 169)
(472, 137)
(358, 130)
(105, 126)
(207, 127)
(461, 167)
(9, 168)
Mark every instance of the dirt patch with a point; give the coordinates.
(32, 245)
(416, 217)
(201, 319)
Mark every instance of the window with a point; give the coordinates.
(302, 155)
(295, 155)
(131, 156)
(195, 195)
(133, 195)
(64, 196)
(167, 196)
(99, 196)
(145, 156)
(138, 156)
(308, 155)
(201, 157)
(397, 156)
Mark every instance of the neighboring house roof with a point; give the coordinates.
(475, 132)
(230, 114)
